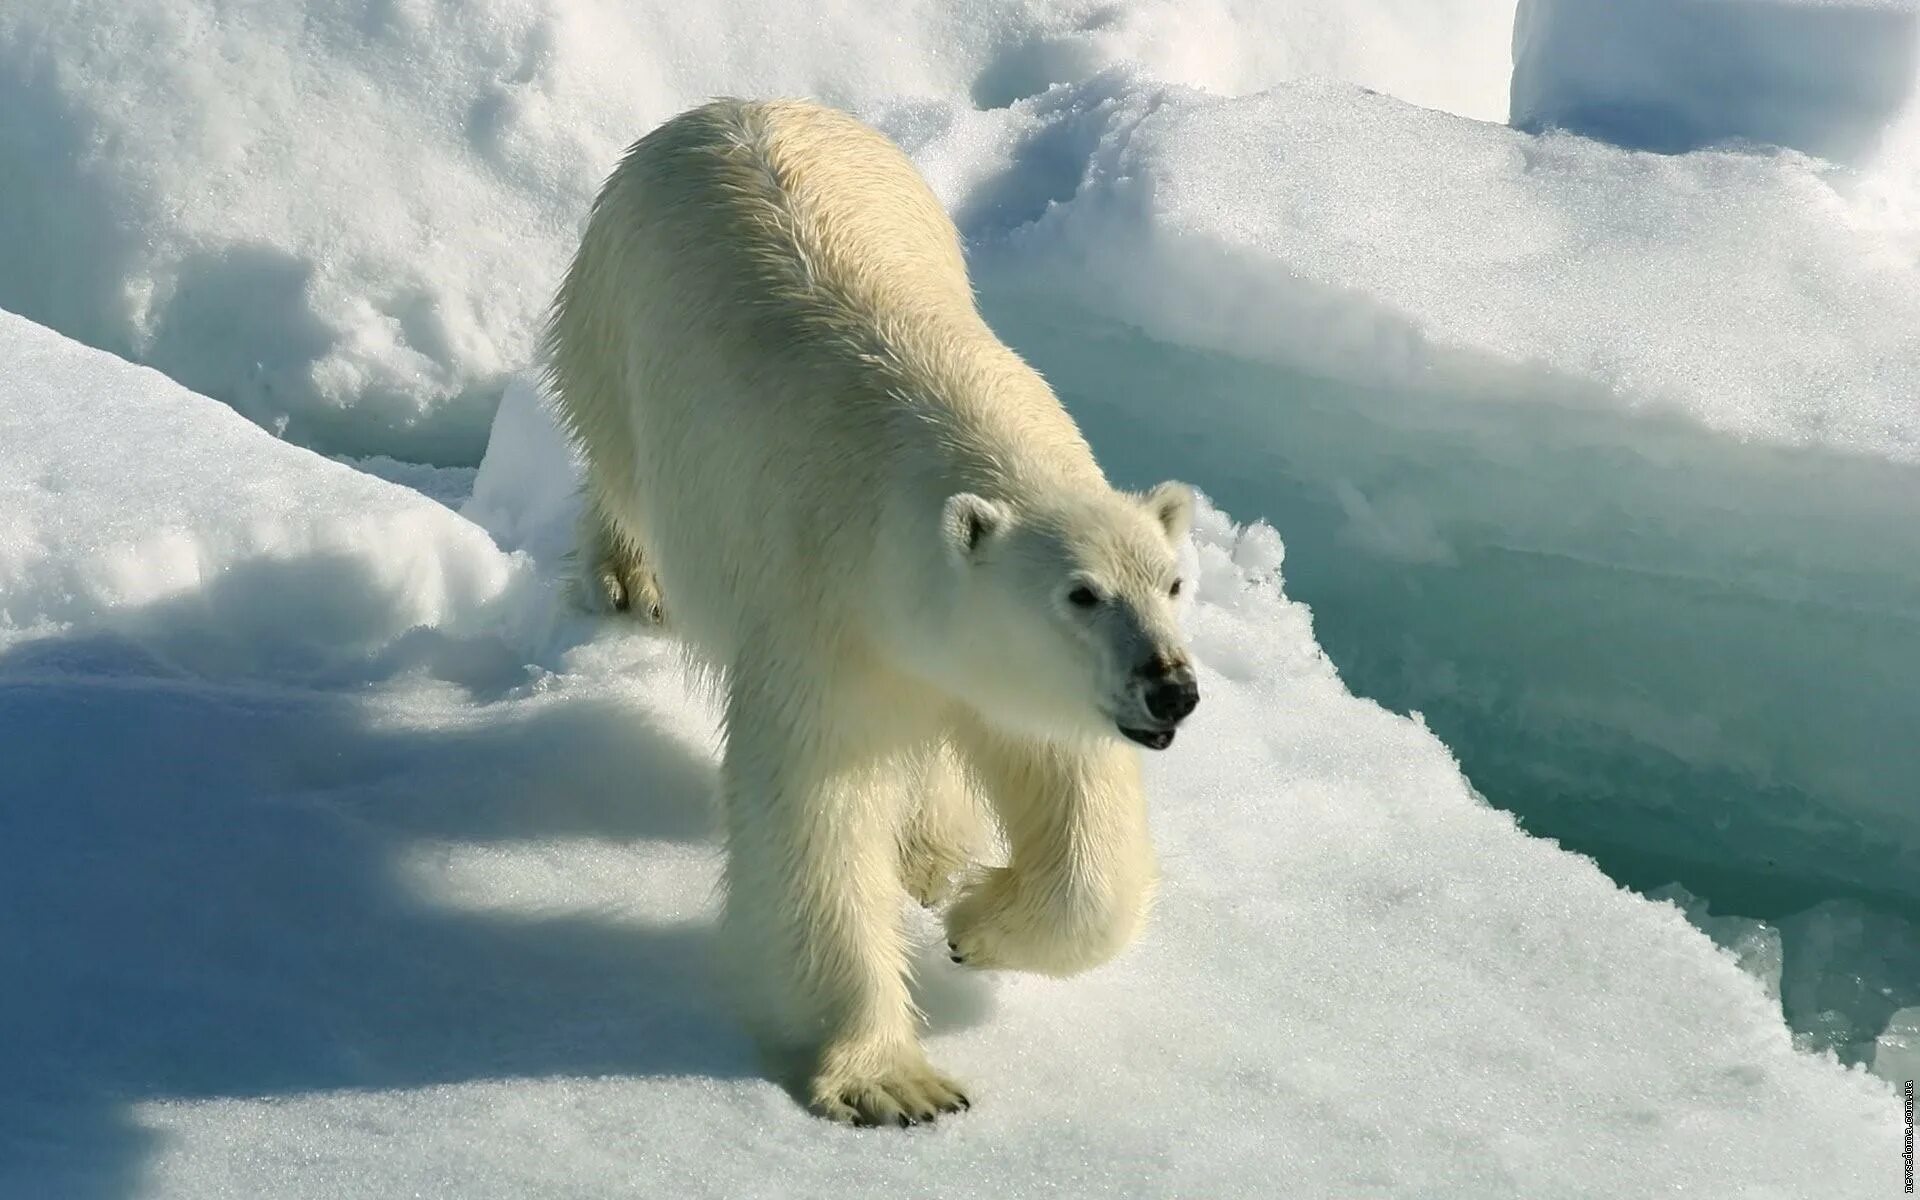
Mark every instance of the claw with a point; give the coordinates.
(907, 1097)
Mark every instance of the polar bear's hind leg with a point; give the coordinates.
(613, 572)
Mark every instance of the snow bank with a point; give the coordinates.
(1823, 76)
(434, 921)
(126, 500)
(344, 218)
(1374, 241)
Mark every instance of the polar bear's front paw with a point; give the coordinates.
(903, 1089)
(998, 924)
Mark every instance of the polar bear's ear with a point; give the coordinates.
(968, 523)
(1172, 505)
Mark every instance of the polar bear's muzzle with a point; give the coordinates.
(1168, 692)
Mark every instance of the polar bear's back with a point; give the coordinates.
(727, 346)
(834, 204)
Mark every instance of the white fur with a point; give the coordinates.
(866, 515)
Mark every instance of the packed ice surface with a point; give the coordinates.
(347, 862)
(1824, 76)
(344, 216)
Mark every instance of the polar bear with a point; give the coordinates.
(878, 529)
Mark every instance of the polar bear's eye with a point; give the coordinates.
(1083, 597)
(1174, 591)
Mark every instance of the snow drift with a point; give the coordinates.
(430, 915)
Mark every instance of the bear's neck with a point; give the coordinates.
(979, 419)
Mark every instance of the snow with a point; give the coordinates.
(344, 217)
(1755, 945)
(86, 540)
(514, 497)
(1823, 76)
(358, 864)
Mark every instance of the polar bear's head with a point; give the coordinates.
(1064, 611)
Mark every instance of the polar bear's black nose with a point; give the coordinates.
(1172, 695)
